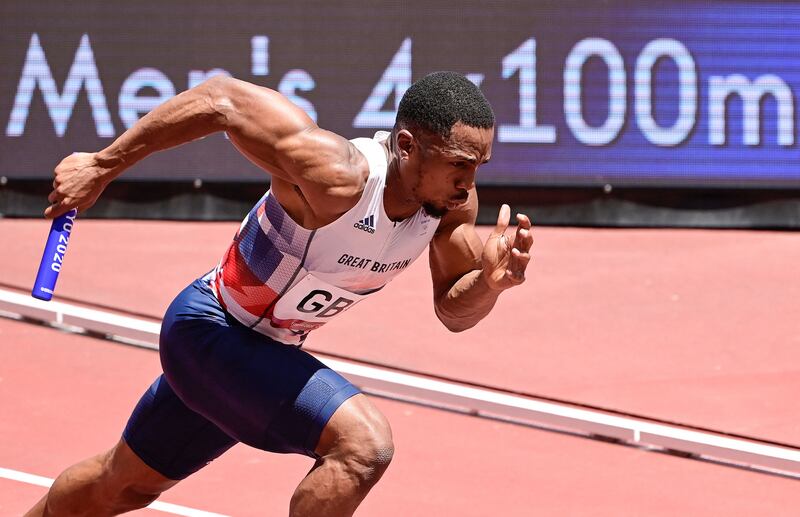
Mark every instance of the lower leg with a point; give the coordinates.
(355, 448)
(74, 492)
(107, 484)
(333, 489)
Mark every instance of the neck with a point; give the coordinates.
(398, 200)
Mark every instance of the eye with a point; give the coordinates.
(458, 164)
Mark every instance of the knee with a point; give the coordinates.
(97, 486)
(374, 454)
(367, 455)
(127, 483)
(116, 496)
(133, 498)
(357, 441)
(123, 493)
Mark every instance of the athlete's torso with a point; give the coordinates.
(284, 280)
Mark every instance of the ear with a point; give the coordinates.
(405, 144)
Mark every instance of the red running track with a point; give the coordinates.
(693, 326)
(65, 397)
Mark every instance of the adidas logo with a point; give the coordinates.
(367, 224)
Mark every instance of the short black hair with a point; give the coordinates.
(439, 100)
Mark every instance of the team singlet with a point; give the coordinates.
(284, 280)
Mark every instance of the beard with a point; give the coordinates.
(434, 211)
(438, 211)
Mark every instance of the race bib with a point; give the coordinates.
(312, 303)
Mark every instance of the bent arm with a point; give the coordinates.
(469, 276)
(466, 302)
(264, 125)
(249, 113)
(190, 115)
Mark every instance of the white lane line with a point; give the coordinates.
(24, 477)
(447, 394)
(175, 509)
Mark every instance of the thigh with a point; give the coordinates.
(169, 437)
(269, 395)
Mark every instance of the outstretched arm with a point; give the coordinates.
(265, 126)
(468, 276)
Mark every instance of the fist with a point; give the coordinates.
(79, 181)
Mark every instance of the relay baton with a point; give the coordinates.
(53, 256)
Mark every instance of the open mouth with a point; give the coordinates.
(458, 200)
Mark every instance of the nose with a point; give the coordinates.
(466, 182)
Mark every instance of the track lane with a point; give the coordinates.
(691, 326)
(70, 395)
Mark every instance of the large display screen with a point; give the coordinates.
(641, 93)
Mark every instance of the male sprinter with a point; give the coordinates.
(341, 219)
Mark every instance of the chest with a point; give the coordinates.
(365, 253)
(312, 208)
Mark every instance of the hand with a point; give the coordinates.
(79, 181)
(504, 262)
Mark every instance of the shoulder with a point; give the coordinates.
(324, 158)
(332, 172)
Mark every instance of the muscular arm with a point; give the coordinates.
(262, 124)
(468, 276)
(190, 115)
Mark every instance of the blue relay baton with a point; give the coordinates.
(53, 256)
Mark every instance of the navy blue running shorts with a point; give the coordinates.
(225, 383)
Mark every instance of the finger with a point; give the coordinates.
(523, 239)
(51, 211)
(514, 279)
(52, 197)
(524, 221)
(56, 209)
(59, 207)
(518, 262)
(503, 218)
(513, 268)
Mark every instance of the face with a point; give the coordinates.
(443, 170)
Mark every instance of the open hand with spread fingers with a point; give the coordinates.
(504, 260)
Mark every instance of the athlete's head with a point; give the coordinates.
(444, 131)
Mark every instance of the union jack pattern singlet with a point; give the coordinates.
(283, 280)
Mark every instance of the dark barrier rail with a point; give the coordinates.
(576, 206)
